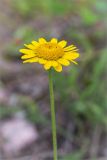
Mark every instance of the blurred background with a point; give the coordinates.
(80, 91)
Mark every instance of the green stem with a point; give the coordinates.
(53, 115)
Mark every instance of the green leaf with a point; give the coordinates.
(88, 16)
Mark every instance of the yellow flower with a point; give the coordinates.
(50, 53)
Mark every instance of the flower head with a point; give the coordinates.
(50, 53)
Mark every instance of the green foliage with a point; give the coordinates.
(99, 68)
(30, 108)
(25, 7)
(74, 156)
(7, 111)
(88, 92)
(32, 111)
(56, 7)
(88, 16)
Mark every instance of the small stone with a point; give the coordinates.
(17, 135)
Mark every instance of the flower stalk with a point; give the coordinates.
(53, 115)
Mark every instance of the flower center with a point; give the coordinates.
(49, 51)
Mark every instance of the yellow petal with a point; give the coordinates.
(28, 56)
(58, 68)
(71, 55)
(64, 62)
(30, 46)
(35, 43)
(62, 43)
(50, 64)
(54, 63)
(54, 40)
(32, 60)
(42, 61)
(42, 40)
(70, 48)
(47, 65)
(27, 51)
(74, 62)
